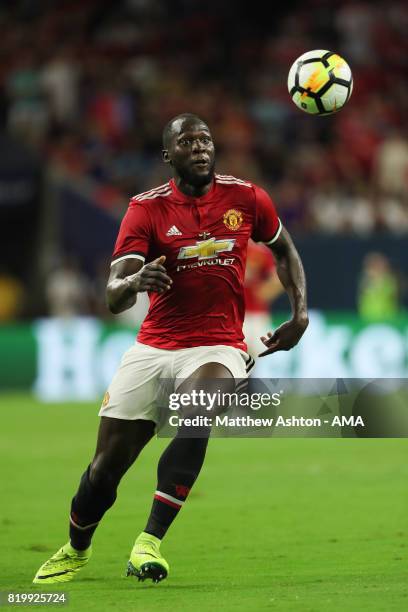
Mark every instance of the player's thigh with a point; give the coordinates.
(134, 389)
(212, 379)
(128, 412)
(219, 370)
(229, 362)
(208, 376)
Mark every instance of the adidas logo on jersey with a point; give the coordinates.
(173, 231)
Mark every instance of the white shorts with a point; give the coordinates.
(135, 391)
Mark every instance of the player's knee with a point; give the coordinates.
(103, 479)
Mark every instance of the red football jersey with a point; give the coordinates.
(205, 243)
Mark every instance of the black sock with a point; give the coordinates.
(177, 471)
(88, 506)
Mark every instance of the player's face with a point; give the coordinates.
(193, 155)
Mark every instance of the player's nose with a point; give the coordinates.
(198, 145)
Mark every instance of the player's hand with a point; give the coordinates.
(152, 277)
(285, 337)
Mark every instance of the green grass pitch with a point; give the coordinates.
(280, 524)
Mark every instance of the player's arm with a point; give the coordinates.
(129, 277)
(269, 230)
(291, 274)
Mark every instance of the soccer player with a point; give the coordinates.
(193, 232)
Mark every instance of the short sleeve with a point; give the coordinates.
(134, 234)
(267, 225)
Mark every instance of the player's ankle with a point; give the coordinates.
(80, 552)
(151, 537)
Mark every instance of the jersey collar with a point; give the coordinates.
(186, 199)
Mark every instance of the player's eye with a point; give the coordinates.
(184, 142)
(205, 140)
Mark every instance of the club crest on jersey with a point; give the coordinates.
(233, 219)
(206, 249)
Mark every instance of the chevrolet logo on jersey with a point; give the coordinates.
(206, 249)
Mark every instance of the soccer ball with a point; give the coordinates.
(320, 82)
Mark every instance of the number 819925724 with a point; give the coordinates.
(33, 598)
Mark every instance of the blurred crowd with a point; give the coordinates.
(90, 84)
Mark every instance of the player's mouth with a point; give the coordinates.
(201, 162)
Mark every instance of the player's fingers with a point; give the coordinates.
(161, 279)
(158, 282)
(156, 288)
(154, 281)
(155, 267)
(267, 340)
(159, 260)
(159, 286)
(269, 335)
(271, 349)
(157, 274)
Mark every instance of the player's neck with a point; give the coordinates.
(192, 190)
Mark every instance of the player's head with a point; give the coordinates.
(189, 149)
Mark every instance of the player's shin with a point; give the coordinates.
(88, 506)
(178, 469)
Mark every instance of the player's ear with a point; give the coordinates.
(165, 155)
